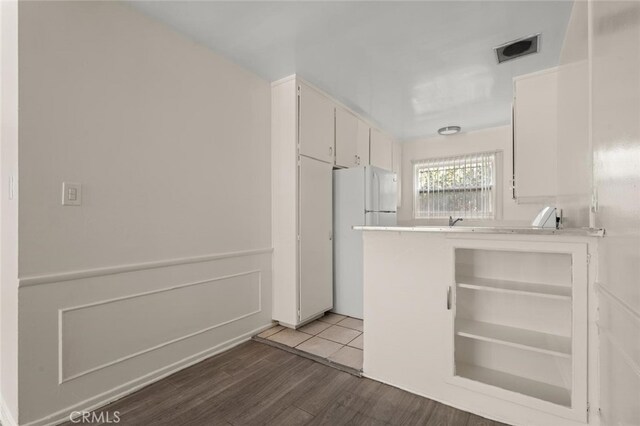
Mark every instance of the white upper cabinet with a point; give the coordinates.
(346, 138)
(362, 143)
(352, 140)
(535, 125)
(397, 167)
(381, 150)
(316, 124)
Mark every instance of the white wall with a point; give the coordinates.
(168, 259)
(492, 139)
(574, 171)
(8, 212)
(615, 126)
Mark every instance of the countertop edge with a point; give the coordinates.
(581, 232)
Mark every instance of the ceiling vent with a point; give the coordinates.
(518, 48)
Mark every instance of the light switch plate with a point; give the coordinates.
(71, 194)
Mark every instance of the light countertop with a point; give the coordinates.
(525, 230)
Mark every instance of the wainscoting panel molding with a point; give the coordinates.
(616, 314)
(100, 334)
(95, 338)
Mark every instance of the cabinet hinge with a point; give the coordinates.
(588, 258)
(298, 237)
(298, 314)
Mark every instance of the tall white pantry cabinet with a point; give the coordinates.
(302, 159)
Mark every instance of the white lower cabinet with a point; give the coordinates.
(500, 326)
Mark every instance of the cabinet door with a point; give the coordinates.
(346, 138)
(397, 168)
(535, 137)
(316, 125)
(381, 150)
(316, 233)
(362, 143)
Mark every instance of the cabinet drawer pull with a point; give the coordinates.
(449, 298)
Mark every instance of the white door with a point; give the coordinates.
(316, 233)
(316, 125)
(380, 150)
(346, 138)
(380, 190)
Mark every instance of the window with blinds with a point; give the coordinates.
(462, 186)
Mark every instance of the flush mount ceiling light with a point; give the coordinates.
(517, 48)
(449, 130)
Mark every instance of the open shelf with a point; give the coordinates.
(516, 337)
(514, 287)
(544, 391)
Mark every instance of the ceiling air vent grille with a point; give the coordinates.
(518, 48)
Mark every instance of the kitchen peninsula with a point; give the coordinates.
(498, 321)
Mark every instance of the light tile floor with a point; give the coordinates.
(334, 337)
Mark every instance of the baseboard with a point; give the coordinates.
(5, 415)
(137, 384)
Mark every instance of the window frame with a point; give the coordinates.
(496, 187)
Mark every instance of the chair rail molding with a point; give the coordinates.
(33, 280)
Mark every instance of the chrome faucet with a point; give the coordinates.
(453, 222)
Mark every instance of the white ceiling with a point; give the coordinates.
(411, 67)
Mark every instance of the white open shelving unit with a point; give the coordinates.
(519, 323)
(515, 287)
(515, 337)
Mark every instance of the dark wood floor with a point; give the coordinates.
(255, 384)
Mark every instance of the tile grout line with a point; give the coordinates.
(310, 336)
(345, 368)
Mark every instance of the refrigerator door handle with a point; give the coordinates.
(376, 190)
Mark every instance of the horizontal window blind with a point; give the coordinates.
(461, 186)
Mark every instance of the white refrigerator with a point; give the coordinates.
(361, 196)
